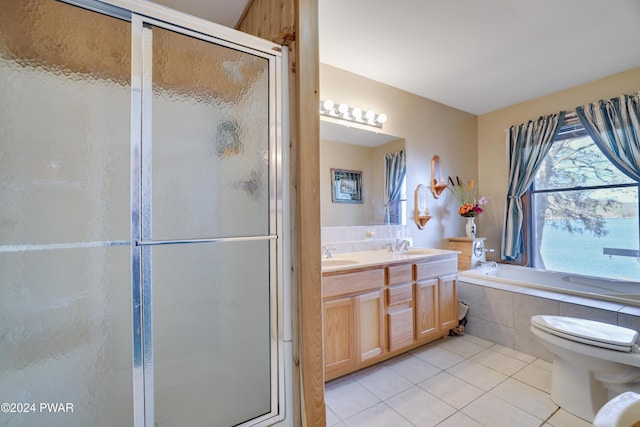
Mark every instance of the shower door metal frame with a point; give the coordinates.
(142, 29)
(143, 17)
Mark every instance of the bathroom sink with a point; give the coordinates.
(337, 262)
(423, 251)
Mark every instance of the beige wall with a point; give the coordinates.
(492, 156)
(428, 128)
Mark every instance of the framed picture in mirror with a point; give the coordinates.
(346, 186)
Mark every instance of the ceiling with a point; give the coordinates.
(476, 56)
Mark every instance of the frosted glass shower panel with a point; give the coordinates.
(211, 310)
(65, 259)
(65, 328)
(65, 106)
(210, 139)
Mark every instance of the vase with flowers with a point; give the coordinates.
(470, 203)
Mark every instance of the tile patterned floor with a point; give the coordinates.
(455, 382)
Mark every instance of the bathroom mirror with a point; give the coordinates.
(355, 148)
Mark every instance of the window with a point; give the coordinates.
(403, 203)
(584, 211)
(398, 208)
(395, 173)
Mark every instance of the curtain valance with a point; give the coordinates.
(614, 126)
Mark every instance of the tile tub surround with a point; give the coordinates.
(501, 313)
(452, 382)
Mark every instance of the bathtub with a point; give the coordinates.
(502, 298)
(622, 291)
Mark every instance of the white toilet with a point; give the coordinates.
(593, 362)
(621, 411)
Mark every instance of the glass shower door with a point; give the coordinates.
(65, 254)
(140, 220)
(208, 230)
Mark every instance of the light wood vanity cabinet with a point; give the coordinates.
(353, 311)
(372, 314)
(448, 301)
(400, 328)
(436, 297)
(400, 306)
(339, 327)
(370, 339)
(427, 324)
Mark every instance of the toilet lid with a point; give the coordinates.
(587, 331)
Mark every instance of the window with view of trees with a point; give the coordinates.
(584, 211)
(398, 208)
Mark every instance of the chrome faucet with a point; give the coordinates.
(327, 251)
(399, 245)
(491, 264)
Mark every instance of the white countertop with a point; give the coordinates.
(355, 260)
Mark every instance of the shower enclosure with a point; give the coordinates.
(141, 218)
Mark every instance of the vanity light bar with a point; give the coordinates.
(352, 114)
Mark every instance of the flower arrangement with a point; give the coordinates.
(470, 204)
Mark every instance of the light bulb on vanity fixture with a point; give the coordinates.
(326, 106)
(356, 114)
(352, 114)
(343, 111)
(369, 116)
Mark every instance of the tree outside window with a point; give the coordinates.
(584, 211)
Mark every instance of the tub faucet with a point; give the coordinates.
(491, 264)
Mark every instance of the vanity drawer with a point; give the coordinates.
(398, 294)
(399, 274)
(430, 269)
(351, 283)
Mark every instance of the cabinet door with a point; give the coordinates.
(370, 328)
(339, 327)
(426, 308)
(448, 301)
(400, 328)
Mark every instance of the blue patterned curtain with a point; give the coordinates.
(529, 143)
(395, 170)
(614, 126)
